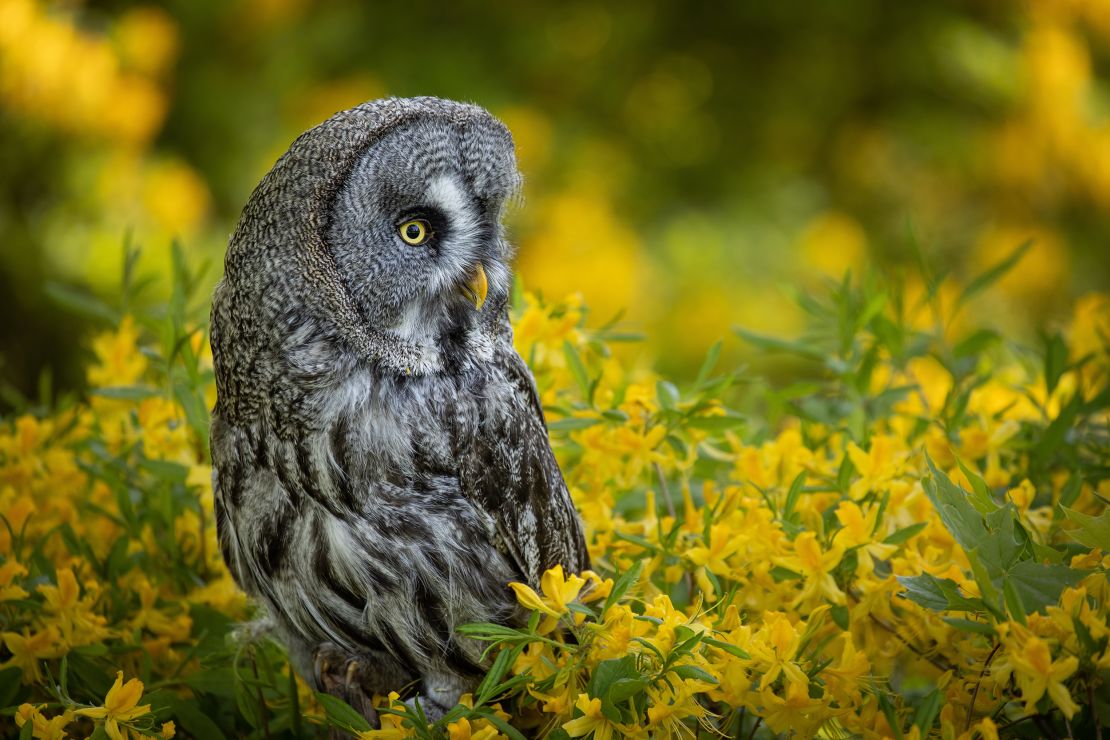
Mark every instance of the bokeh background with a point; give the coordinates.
(690, 164)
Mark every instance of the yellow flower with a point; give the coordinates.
(592, 720)
(169, 729)
(391, 725)
(796, 711)
(119, 361)
(8, 571)
(724, 541)
(119, 706)
(558, 591)
(28, 649)
(815, 567)
(41, 727)
(1037, 673)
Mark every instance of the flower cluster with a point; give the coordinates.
(913, 541)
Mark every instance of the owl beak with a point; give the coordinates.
(476, 287)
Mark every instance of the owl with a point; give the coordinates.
(382, 466)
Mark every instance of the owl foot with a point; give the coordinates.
(341, 677)
(441, 693)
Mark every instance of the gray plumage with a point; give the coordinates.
(382, 468)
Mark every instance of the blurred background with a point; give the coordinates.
(690, 164)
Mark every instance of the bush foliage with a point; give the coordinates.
(911, 543)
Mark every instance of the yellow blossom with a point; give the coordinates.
(592, 720)
(120, 705)
(1036, 672)
(47, 728)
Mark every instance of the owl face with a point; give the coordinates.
(416, 228)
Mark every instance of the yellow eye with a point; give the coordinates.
(416, 231)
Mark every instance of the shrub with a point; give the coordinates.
(911, 541)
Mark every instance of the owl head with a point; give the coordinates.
(415, 228)
(375, 238)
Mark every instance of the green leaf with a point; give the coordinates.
(80, 302)
(992, 274)
(572, 424)
(716, 423)
(904, 534)
(1094, 531)
(927, 711)
(1040, 585)
(341, 714)
(981, 494)
(247, 699)
(793, 494)
(711, 358)
(728, 647)
(577, 369)
(692, 672)
(1055, 361)
(625, 582)
(506, 729)
(938, 594)
(501, 664)
(609, 672)
(774, 344)
(668, 395)
(606, 675)
(953, 505)
(212, 681)
(186, 713)
(625, 688)
(125, 392)
(10, 681)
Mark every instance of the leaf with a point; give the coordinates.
(624, 688)
(80, 302)
(927, 711)
(952, 503)
(609, 672)
(692, 672)
(728, 647)
(606, 675)
(506, 729)
(625, 582)
(668, 395)
(248, 702)
(793, 494)
(341, 714)
(1055, 361)
(774, 344)
(992, 274)
(938, 594)
(572, 424)
(125, 392)
(1094, 531)
(710, 362)
(720, 423)
(905, 534)
(10, 679)
(1013, 601)
(981, 498)
(577, 369)
(1040, 585)
(186, 713)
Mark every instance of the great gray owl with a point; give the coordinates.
(382, 467)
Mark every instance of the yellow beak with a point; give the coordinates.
(476, 287)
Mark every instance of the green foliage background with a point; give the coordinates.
(688, 163)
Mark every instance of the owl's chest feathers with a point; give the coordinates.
(381, 426)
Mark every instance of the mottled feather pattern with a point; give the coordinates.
(382, 463)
